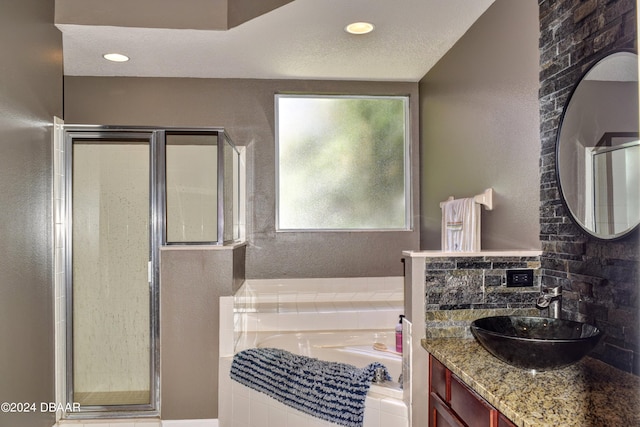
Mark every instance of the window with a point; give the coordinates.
(342, 163)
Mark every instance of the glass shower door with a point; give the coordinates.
(112, 286)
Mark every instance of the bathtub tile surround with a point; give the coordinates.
(317, 304)
(111, 423)
(138, 423)
(254, 409)
(599, 279)
(306, 307)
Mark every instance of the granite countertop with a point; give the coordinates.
(587, 394)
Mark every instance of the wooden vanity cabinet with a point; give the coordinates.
(453, 404)
(440, 414)
(504, 421)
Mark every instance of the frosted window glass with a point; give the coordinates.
(342, 163)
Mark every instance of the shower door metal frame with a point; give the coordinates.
(156, 158)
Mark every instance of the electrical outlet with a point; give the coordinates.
(519, 278)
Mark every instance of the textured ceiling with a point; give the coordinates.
(300, 40)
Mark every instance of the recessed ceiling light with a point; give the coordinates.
(115, 57)
(359, 28)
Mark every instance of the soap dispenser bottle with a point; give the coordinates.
(399, 335)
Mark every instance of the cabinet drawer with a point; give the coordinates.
(439, 379)
(470, 407)
(440, 415)
(504, 421)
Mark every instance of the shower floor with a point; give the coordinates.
(108, 398)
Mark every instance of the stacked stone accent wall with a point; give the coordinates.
(459, 290)
(600, 279)
(457, 283)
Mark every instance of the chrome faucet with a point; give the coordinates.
(551, 298)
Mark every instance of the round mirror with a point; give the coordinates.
(598, 151)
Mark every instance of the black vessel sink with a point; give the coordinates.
(538, 343)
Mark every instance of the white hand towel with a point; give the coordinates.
(461, 226)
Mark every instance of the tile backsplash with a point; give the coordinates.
(478, 282)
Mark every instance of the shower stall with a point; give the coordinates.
(126, 192)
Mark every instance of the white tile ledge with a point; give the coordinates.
(198, 247)
(500, 253)
(137, 422)
(190, 423)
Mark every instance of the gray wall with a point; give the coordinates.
(30, 95)
(192, 280)
(246, 109)
(480, 127)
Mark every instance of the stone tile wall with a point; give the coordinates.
(458, 283)
(459, 290)
(600, 279)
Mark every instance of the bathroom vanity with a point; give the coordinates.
(453, 403)
(468, 385)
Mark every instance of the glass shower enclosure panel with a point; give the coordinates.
(111, 274)
(202, 187)
(231, 191)
(616, 186)
(192, 187)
